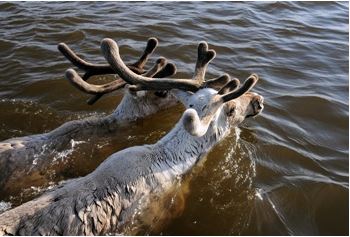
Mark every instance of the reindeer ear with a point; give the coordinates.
(192, 123)
(230, 108)
(129, 89)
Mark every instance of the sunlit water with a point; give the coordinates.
(285, 172)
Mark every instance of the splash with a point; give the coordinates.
(4, 206)
(258, 194)
(63, 154)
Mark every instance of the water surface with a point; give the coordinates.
(285, 172)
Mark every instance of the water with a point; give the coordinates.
(288, 173)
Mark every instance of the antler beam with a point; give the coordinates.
(160, 68)
(110, 50)
(102, 69)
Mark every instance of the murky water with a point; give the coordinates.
(288, 173)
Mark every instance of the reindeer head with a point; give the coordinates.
(223, 109)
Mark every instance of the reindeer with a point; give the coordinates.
(106, 200)
(20, 156)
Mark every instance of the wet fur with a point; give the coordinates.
(18, 154)
(106, 200)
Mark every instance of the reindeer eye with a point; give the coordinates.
(191, 106)
(161, 94)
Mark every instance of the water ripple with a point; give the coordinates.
(290, 161)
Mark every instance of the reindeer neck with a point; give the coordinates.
(183, 148)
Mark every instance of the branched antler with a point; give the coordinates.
(110, 50)
(237, 92)
(154, 79)
(102, 69)
(218, 82)
(230, 86)
(160, 69)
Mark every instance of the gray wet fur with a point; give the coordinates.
(17, 155)
(106, 200)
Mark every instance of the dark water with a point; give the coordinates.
(285, 172)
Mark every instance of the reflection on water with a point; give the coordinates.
(288, 172)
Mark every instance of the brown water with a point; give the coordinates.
(288, 172)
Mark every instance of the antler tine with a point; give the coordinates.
(248, 84)
(217, 82)
(152, 43)
(167, 71)
(89, 68)
(82, 85)
(229, 86)
(203, 59)
(110, 50)
(159, 65)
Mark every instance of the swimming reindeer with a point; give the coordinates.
(105, 200)
(17, 155)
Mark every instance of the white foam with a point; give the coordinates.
(4, 206)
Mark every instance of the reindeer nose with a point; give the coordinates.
(260, 103)
(258, 106)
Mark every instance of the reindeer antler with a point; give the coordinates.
(229, 86)
(247, 85)
(110, 50)
(160, 69)
(101, 69)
